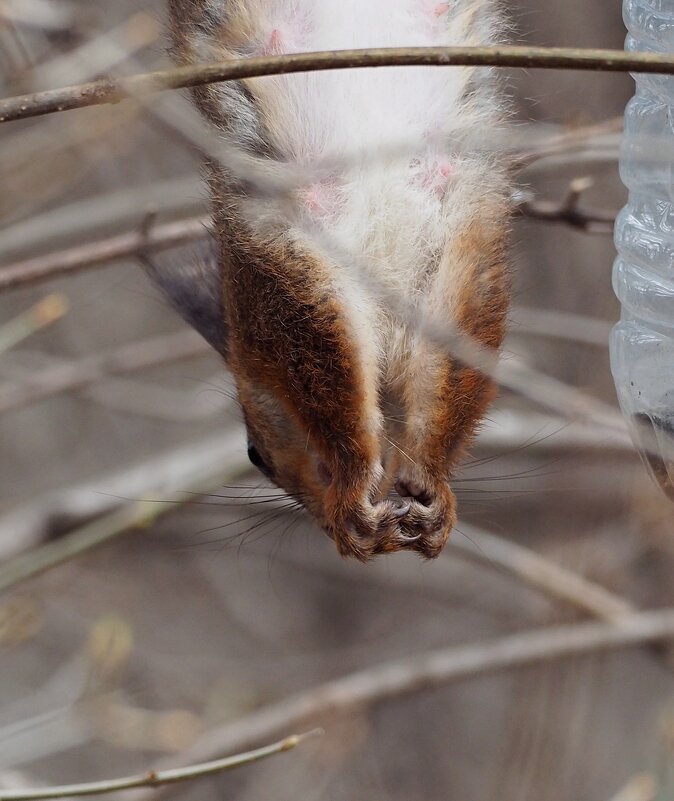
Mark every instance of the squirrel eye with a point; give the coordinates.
(257, 461)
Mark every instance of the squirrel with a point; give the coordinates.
(347, 407)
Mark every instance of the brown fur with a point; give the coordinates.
(446, 398)
(312, 398)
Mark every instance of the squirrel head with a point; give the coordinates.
(346, 409)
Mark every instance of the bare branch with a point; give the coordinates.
(97, 216)
(158, 778)
(568, 211)
(112, 90)
(193, 468)
(566, 326)
(389, 681)
(76, 375)
(542, 573)
(167, 235)
(188, 465)
(136, 515)
(122, 246)
(568, 140)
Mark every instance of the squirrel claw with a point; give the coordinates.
(402, 511)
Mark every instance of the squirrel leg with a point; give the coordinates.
(445, 399)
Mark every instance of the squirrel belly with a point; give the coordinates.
(389, 189)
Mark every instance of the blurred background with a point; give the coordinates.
(161, 642)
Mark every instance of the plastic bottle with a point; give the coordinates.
(642, 344)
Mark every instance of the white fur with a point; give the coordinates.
(397, 134)
(399, 137)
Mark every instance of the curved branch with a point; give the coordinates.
(111, 90)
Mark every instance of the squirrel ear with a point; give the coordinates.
(194, 289)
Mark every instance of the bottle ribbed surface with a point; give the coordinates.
(642, 344)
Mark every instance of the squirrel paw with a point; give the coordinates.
(370, 528)
(432, 514)
(421, 520)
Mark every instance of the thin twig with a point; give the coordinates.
(79, 374)
(566, 326)
(193, 466)
(173, 488)
(136, 515)
(198, 462)
(537, 571)
(82, 257)
(158, 778)
(164, 236)
(112, 90)
(392, 680)
(540, 388)
(568, 210)
(97, 216)
(568, 140)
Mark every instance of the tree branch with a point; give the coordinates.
(110, 90)
(157, 778)
(169, 479)
(568, 140)
(81, 257)
(568, 210)
(363, 689)
(168, 235)
(543, 574)
(82, 373)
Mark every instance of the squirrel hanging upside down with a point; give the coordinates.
(343, 400)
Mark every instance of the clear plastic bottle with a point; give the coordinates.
(642, 344)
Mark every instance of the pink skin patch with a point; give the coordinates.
(320, 198)
(289, 36)
(433, 9)
(276, 41)
(437, 177)
(433, 175)
(274, 46)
